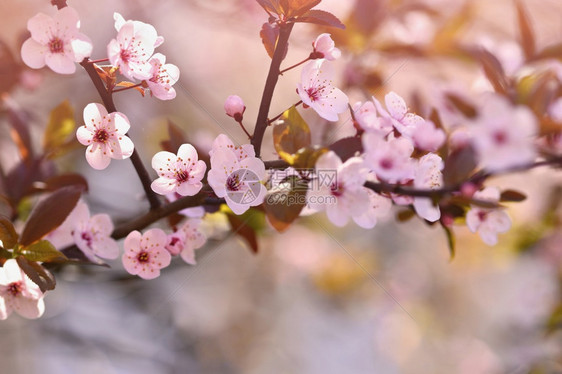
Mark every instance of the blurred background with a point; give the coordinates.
(316, 299)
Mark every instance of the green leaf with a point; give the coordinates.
(284, 203)
(49, 214)
(37, 273)
(61, 125)
(8, 234)
(291, 134)
(42, 251)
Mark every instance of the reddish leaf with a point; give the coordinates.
(459, 166)
(296, 8)
(9, 67)
(270, 6)
(49, 214)
(493, 70)
(512, 195)
(291, 134)
(20, 179)
(552, 51)
(177, 137)
(131, 85)
(347, 147)
(321, 17)
(37, 273)
(526, 30)
(43, 251)
(20, 132)
(63, 180)
(8, 234)
(461, 105)
(405, 215)
(269, 34)
(284, 203)
(244, 230)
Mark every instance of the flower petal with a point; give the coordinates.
(33, 53)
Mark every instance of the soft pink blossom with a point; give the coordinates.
(104, 134)
(56, 42)
(488, 222)
(389, 159)
(343, 196)
(427, 137)
(133, 47)
(163, 77)
(18, 293)
(92, 235)
(379, 207)
(186, 240)
(324, 47)
(398, 115)
(146, 254)
(317, 91)
(239, 181)
(428, 175)
(366, 117)
(234, 107)
(181, 173)
(241, 152)
(503, 134)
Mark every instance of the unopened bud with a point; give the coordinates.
(234, 107)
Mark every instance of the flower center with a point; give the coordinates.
(87, 238)
(15, 288)
(143, 257)
(101, 136)
(182, 176)
(337, 189)
(233, 183)
(314, 93)
(125, 55)
(482, 215)
(386, 164)
(174, 241)
(56, 45)
(500, 137)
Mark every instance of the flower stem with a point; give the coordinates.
(272, 78)
(127, 88)
(246, 131)
(294, 66)
(98, 61)
(135, 158)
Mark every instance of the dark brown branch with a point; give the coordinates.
(272, 78)
(135, 158)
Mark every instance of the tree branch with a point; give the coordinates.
(272, 78)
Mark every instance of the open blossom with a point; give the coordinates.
(324, 47)
(342, 195)
(145, 254)
(186, 240)
(104, 134)
(379, 206)
(223, 142)
(238, 180)
(397, 114)
(234, 107)
(389, 159)
(488, 222)
(18, 293)
(427, 137)
(503, 135)
(318, 92)
(366, 117)
(56, 42)
(163, 77)
(428, 175)
(181, 173)
(133, 47)
(92, 235)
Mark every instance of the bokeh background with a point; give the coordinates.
(316, 299)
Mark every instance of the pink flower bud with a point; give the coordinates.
(234, 107)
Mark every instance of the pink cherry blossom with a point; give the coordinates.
(324, 47)
(344, 196)
(318, 92)
(398, 115)
(238, 181)
(18, 293)
(379, 206)
(428, 175)
(56, 42)
(427, 137)
(241, 152)
(164, 76)
(366, 116)
(186, 240)
(92, 235)
(145, 254)
(181, 173)
(389, 159)
(132, 48)
(104, 134)
(488, 222)
(234, 107)
(503, 134)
